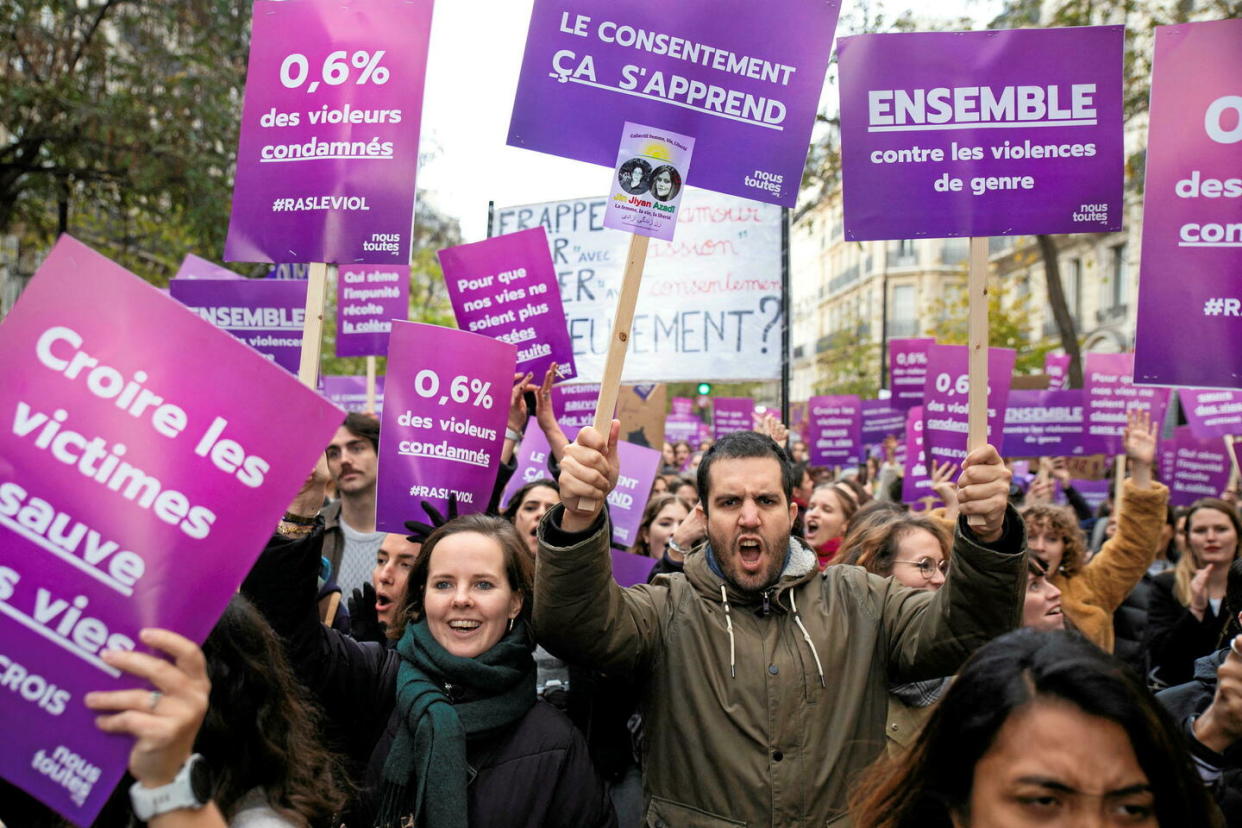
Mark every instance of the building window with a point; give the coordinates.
(903, 317)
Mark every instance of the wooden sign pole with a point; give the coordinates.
(619, 343)
(1119, 478)
(1235, 475)
(977, 341)
(370, 385)
(312, 325)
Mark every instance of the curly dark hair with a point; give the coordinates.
(261, 729)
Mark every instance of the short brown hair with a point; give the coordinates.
(1061, 521)
(519, 568)
(871, 542)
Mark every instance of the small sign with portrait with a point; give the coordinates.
(650, 175)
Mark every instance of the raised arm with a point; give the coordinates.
(581, 615)
(982, 596)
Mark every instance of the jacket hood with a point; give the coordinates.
(704, 574)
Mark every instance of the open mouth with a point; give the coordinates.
(812, 526)
(749, 552)
(383, 603)
(1053, 611)
(464, 626)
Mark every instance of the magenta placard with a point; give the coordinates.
(648, 181)
(946, 395)
(907, 371)
(368, 299)
(532, 463)
(350, 392)
(329, 134)
(639, 466)
(194, 267)
(916, 487)
(678, 427)
(267, 315)
(1189, 304)
(444, 422)
(505, 287)
(1110, 394)
(139, 479)
(1056, 366)
(730, 414)
(1201, 468)
(834, 425)
(575, 404)
(1212, 412)
(986, 133)
(1043, 423)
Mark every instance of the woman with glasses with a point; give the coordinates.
(914, 551)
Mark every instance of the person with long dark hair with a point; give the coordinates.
(235, 707)
(1039, 728)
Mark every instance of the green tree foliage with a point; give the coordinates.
(118, 123)
(1008, 323)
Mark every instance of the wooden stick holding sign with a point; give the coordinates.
(977, 340)
(1119, 479)
(622, 321)
(1235, 473)
(312, 324)
(370, 409)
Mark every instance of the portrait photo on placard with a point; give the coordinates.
(665, 183)
(635, 176)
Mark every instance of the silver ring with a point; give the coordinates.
(156, 695)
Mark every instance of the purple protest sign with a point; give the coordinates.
(639, 466)
(193, 267)
(1212, 412)
(682, 405)
(678, 427)
(916, 483)
(750, 77)
(1201, 468)
(532, 463)
(350, 393)
(505, 287)
(140, 479)
(833, 430)
(575, 404)
(648, 180)
(730, 414)
(1056, 366)
(879, 420)
(945, 397)
(329, 134)
(1095, 492)
(629, 569)
(907, 371)
(1192, 211)
(1110, 394)
(1043, 423)
(987, 133)
(444, 424)
(368, 299)
(268, 316)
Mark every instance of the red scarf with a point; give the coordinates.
(827, 550)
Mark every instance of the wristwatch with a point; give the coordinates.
(191, 788)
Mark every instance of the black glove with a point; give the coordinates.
(364, 623)
(419, 531)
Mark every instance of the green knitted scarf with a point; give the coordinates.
(425, 773)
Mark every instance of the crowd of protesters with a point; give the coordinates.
(807, 650)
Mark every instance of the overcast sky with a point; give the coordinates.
(472, 72)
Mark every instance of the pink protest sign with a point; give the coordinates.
(368, 299)
(907, 371)
(329, 134)
(730, 414)
(648, 180)
(1212, 412)
(626, 502)
(350, 392)
(267, 315)
(148, 459)
(679, 427)
(1110, 394)
(682, 405)
(505, 287)
(916, 487)
(880, 420)
(945, 415)
(193, 267)
(1189, 305)
(1201, 468)
(532, 463)
(629, 569)
(444, 421)
(1056, 366)
(834, 426)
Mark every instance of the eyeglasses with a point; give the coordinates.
(927, 567)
